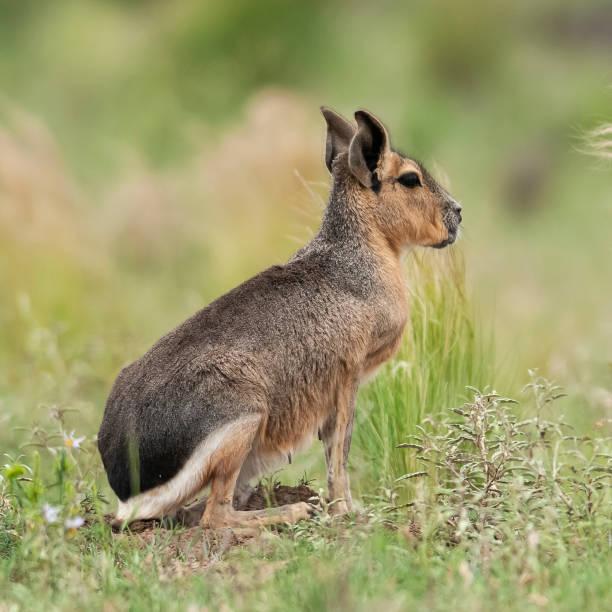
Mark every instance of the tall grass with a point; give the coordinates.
(445, 348)
(509, 513)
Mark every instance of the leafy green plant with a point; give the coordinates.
(497, 476)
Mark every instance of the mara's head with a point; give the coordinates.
(396, 192)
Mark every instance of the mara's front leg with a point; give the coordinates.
(336, 437)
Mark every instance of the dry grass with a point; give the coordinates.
(40, 203)
(599, 142)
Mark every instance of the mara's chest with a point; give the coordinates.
(387, 335)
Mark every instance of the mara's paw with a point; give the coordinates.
(300, 511)
(218, 517)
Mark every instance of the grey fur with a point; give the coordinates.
(283, 345)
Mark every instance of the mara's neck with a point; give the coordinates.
(349, 231)
(349, 220)
(344, 221)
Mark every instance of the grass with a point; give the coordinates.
(531, 555)
(487, 509)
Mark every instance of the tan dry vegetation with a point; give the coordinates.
(599, 142)
(254, 165)
(39, 201)
(241, 188)
(227, 183)
(142, 214)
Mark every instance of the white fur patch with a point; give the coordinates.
(191, 478)
(367, 377)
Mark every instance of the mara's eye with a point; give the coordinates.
(410, 179)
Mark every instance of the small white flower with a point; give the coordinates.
(71, 442)
(50, 513)
(74, 523)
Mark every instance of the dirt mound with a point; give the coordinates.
(279, 495)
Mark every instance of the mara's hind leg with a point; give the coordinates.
(220, 512)
(167, 498)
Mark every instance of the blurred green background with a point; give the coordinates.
(154, 154)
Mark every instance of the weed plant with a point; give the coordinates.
(495, 478)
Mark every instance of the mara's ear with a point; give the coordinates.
(367, 148)
(339, 134)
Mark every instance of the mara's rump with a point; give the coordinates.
(190, 479)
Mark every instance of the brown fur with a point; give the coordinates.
(249, 379)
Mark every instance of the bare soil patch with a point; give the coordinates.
(192, 549)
